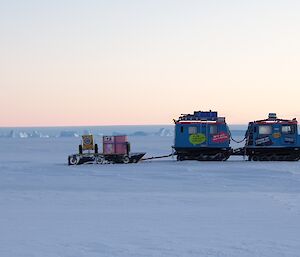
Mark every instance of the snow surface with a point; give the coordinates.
(157, 208)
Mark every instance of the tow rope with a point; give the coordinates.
(158, 157)
(236, 141)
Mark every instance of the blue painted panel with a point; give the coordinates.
(277, 136)
(202, 136)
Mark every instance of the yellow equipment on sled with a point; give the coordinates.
(87, 144)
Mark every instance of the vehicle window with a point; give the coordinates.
(192, 130)
(213, 129)
(265, 130)
(288, 129)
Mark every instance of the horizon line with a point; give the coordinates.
(113, 125)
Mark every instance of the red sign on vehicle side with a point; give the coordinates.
(220, 138)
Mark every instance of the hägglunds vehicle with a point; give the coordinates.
(202, 136)
(272, 139)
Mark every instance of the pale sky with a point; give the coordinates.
(113, 62)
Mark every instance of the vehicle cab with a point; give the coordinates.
(273, 139)
(201, 135)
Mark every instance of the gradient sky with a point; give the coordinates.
(99, 62)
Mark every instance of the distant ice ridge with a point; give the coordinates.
(139, 133)
(21, 134)
(67, 133)
(163, 132)
(70, 133)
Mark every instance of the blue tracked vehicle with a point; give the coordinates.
(202, 136)
(272, 139)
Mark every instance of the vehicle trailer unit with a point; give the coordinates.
(272, 139)
(202, 136)
(116, 149)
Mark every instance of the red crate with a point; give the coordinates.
(120, 139)
(108, 148)
(108, 139)
(121, 148)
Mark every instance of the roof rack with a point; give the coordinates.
(273, 118)
(202, 116)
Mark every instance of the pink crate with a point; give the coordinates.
(108, 139)
(121, 148)
(108, 148)
(121, 139)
